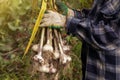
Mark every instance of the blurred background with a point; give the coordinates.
(17, 18)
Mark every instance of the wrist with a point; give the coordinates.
(70, 13)
(64, 19)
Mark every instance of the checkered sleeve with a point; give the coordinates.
(99, 35)
(111, 7)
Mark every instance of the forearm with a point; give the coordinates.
(100, 37)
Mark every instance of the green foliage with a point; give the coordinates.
(14, 21)
(11, 12)
(79, 4)
(12, 9)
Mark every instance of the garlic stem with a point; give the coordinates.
(39, 57)
(56, 34)
(63, 57)
(60, 38)
(56, 51)
(42, 39)
(48, 36)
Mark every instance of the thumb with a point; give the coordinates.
(50, 11)
(62, 7)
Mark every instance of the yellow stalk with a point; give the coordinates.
(37, 24)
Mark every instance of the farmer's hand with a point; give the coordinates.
(52, 18)
(64, 9)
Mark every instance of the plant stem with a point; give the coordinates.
(41, 41)
(38, 57)
(56, 52)
(60, 37)
(48, 36)
(64, 58)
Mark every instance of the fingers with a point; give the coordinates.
(50, 11)
(51, 18)
(43, 24)
(46, 23)
(46, 15)
(44, 20)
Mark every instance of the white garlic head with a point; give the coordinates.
(48, 48)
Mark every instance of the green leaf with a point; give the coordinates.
(14, 26)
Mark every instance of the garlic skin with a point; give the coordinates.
(39, 58)
(65, 58)
(48, 48)
(52, 69)
(56, 55)
(35, 47)
(66, 48)
(46, 68)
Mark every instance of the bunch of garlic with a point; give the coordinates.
(51, 51)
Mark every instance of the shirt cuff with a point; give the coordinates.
(71, 25)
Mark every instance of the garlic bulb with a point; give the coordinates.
(35, 47)
(47, 69)
(65, 58)
(48, 46)
(66, 48)
(56, 54)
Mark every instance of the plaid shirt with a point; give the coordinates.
(99, 30)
